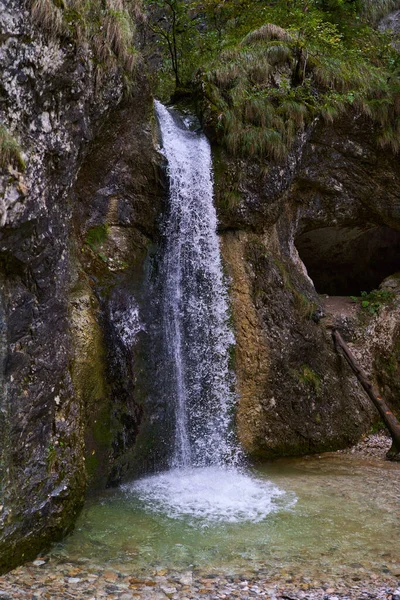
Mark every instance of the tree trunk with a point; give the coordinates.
(388, 417)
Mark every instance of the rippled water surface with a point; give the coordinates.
(332, 514)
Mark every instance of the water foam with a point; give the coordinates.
(209, 495)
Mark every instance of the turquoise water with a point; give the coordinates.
(334, 514)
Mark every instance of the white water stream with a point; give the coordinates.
(195, 309)
(206, 480)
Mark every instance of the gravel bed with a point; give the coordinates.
(45, 579)
(375, 445)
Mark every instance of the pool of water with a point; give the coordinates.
(334, 514)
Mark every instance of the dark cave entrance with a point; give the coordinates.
(345, 261)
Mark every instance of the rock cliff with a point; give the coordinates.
(330, 212)
(79, 197)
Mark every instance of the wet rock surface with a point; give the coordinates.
(375, 445)
(57, 385)
(51, 106)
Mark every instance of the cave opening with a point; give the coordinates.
(345, 261)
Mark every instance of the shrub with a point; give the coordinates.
(372, 302)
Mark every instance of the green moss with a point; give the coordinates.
(227, 182)
(96, 236)
(305, 307)
(306, 375)
(51, 457)
(10, 151)
(91, 464)
(102, 433)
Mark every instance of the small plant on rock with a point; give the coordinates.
(10, 151)
(372, 302)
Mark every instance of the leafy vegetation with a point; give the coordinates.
(108, 27)
(265, 70)
(262, 92)
(10, 151)
(372, 302)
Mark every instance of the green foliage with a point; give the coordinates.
(96, 236)
(262, 91)
(265, 70)
(174, 24)
(108, 28)
(10, 151)
(378, 427)
(372, 302)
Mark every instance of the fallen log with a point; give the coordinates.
(392, 424)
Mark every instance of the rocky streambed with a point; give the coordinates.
(348, 498)
(49, 579)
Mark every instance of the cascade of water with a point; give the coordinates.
(196, 335)
(204, 484)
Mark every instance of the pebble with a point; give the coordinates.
(186, 579)
(53, 581)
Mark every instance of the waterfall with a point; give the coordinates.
(207, 481)
(195, 330)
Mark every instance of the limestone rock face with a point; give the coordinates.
(299, 239)
(73, 235)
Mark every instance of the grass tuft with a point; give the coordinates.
(48, 16)
(266, 33)
(268, 87)
(10, 151)
(373, 10)
(108, 28)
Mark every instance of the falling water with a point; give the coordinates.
(207, 480)
(196, 334)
